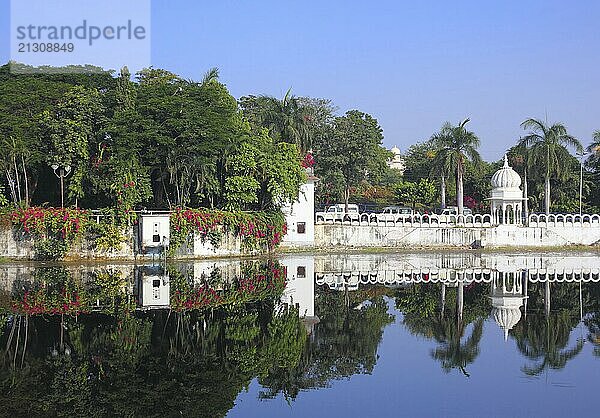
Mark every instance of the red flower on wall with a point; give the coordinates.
(308, 161)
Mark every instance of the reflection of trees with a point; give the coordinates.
(452, 352)
(593, 324)
(151, 364)
(344, 342)
(592, 315)
(544, 340)
(543, 335)
(445, 319)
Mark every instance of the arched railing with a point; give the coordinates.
(563, 219)
(418, 220)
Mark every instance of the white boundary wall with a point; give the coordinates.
(460, 231)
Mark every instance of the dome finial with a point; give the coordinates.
(505, 161)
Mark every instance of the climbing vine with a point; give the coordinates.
(55, 230)
(259, 231)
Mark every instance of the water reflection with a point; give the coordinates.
(190, 336)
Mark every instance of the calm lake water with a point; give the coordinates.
(337, 335)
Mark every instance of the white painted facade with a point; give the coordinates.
(300, 217)
(154, 230)
(345, 235)
(506, 203)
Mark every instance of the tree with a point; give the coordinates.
(547, 147)
(286, 119)
(593, 161)
(414, 193)
(454, 146)
(70, 128)
(279, 174)
(117, 173)
(441, 167)
(353, 151)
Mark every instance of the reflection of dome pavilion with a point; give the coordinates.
(507, 299)
(507, 197)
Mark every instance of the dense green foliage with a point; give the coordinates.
(350, 153)
(161, 141)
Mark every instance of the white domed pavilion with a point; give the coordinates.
(507, 196)
(396, 162)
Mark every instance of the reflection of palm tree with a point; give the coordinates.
(452, 352)
(544, 341)
(593, 324)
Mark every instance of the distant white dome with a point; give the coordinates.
(506, 177)
(507, 318)
(395, 150)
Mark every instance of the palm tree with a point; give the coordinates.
(441, 164)
(593, 161)
(455, 146)
(210, 76)
(519, 158)
(286, 119)
(547, 146)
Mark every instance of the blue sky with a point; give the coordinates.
(412, 65)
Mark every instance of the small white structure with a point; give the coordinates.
(154, 230)
(154, 291)
(396, 162)
(507, 298)
(300, 215)
(507, 197)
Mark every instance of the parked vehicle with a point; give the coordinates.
(337, 213)
(444, 215)
(393, 214)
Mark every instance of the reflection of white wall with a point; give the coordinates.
(302, 211)
(228, 269)
(460, 261)
(300, 291)
(155, 291)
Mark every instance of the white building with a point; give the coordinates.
(396, 162)
(300, 216)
